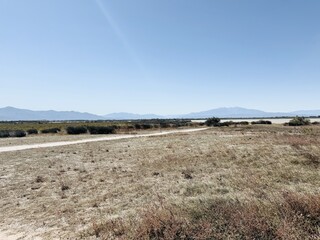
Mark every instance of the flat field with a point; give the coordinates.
(248, 182)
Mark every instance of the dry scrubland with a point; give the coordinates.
(237, 183)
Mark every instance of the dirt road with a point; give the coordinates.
(109, 138)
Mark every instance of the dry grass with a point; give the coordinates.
(237, 183)
(294, 216)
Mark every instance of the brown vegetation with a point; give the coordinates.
(294, 216)
(245, 182)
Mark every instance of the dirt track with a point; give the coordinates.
(117, 137)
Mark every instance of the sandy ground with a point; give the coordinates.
(9, 236)
(96, 139)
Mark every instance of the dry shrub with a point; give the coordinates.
(232, 219)
(293, 216)
(298, 141)
(113, 229)
(305, 209)
(170, 223)
(162, 223)
(311, 159)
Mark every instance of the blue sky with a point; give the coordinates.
(159, 56)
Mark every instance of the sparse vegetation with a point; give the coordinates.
(77, 127)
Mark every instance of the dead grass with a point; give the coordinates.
(236, 183)
(294, 216)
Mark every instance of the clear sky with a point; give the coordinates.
(159, 56)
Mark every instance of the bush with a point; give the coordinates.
(130, 127)
(4, 134)
(12, 133)
(101, 130)
(246, 123)
(51, 130)
(146, 126)
(164, 125)
(32, 131)
(76, 130)
(213, 121)
(116, 126)
(261, 122)
(299, 121)
(229, 123)
(17, 133)
(223, 124)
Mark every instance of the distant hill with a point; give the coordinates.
(16, 114)
(306, 113)
(238, 112)
(131, 116)
(234, 112)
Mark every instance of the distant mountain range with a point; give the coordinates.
(16, 114)
(125, 116)
(238, 112)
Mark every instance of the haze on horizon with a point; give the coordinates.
(163, 57)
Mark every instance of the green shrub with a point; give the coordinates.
(32, 131)
(261, 122)
(101, 130)
(116, 126)
(17, 133)
(4, 134)
(146, 126)
(246, 123)
(12, 133)
(76, 130)
(51, 130)
(213, 121)
(223, 124)
(164, 125)
(299, 121)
